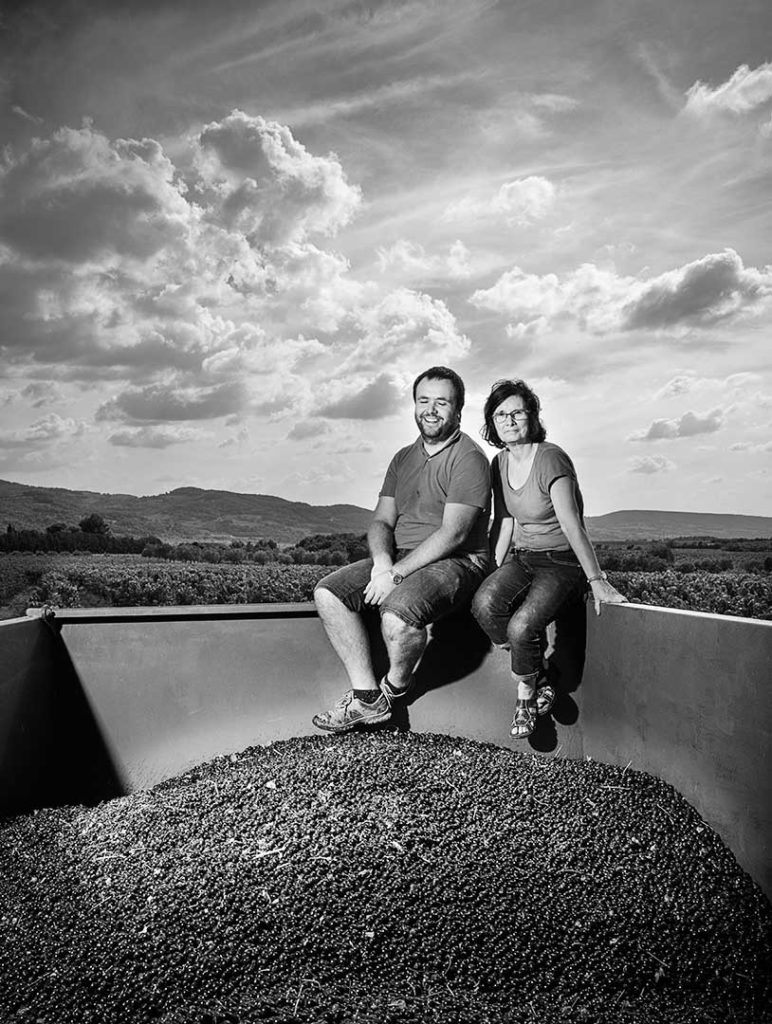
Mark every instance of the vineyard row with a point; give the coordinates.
(123, 581)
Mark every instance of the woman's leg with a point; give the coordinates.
(551, 587)
(497, 597)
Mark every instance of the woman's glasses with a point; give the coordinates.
(517, 414)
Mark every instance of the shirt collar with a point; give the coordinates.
(453, 439)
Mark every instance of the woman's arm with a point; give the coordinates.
(503, 525)
(567, 512)
(501, 538)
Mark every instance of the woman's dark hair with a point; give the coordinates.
(500, 392)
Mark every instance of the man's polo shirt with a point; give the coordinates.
(422, 484)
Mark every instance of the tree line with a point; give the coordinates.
(94, 535)
(319, 549)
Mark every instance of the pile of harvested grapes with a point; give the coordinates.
(381, 877)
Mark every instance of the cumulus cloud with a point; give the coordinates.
(590, 296)
(353, 448)
(688, 425)
(744, 91)
(269, 186)
(751, 446)
(37, 393)
(554, 102)
(312, 288)
(154, 436)
(522, 331)
(78, 197)
(411, 260)
(403, 326)
(40, 392)
(44, 431)
(241, 437)
(739, 385)
(379, 398)
(650, 464)
(159, 402)
(679, 385)
(517, 203)
(116, 263)
(306, 429)
(699, 294)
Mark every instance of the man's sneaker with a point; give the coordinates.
(350, 713)
(391, 693)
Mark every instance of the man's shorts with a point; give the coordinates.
(426, 595)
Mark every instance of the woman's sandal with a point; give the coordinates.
(545, 698)
(524, 720)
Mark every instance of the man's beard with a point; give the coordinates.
(437, 433)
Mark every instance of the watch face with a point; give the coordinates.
(396, 578)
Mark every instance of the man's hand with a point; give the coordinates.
(380, 586)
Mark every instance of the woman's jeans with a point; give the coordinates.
(516, 603)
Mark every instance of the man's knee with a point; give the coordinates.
(395, 628)
(325, 600)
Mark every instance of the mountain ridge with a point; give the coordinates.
(195, 513)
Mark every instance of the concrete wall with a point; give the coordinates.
(688, 697)
(113, 700)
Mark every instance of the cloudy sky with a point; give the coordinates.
(232, 233)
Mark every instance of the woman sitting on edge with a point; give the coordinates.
(552, 558)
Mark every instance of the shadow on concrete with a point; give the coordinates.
(52, 751)
(564, 660)
(456, 648)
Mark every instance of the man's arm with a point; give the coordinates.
(380, 535)
(457, 521)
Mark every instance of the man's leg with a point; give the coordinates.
(404, 645)
(347, 633)
(427, 595)
(339, 601)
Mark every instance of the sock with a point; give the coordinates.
(392, 687)
(367, 696)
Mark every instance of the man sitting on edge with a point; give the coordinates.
(429, 547)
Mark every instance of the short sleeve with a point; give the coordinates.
(470, 480)
(389, 485)
(555, 464)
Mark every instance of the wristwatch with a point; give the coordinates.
(395, 577)
(599, 576)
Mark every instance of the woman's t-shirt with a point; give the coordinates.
(537, 526)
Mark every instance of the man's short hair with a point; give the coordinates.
(443, 373)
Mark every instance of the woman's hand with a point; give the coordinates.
(604, 593)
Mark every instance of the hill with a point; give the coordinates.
(653, 525)
(192, 513)
(187, 513)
